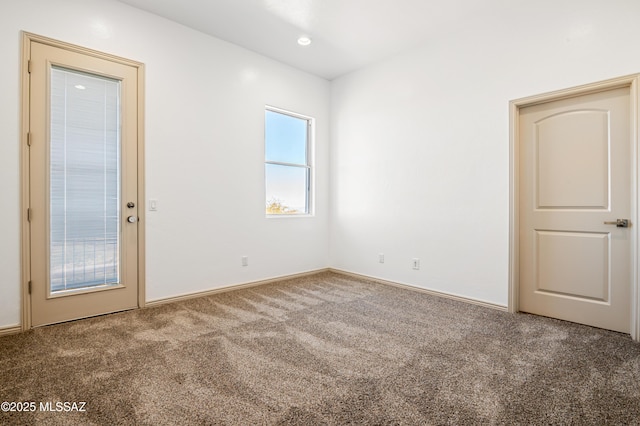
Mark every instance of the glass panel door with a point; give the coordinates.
(85, 182)
(84, 178)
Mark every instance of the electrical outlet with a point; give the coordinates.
(381, 257)
(245, 261)
(415, 263)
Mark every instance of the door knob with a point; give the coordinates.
(132, 219)
(620, 223)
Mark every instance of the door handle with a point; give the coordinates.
(132, 219)
(620, 223)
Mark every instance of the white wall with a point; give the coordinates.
(420, 143)
(205, 103)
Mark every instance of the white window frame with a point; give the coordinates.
(309, 166)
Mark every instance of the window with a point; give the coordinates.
(84, 176)
(287, 167)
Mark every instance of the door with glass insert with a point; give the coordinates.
(83, 185)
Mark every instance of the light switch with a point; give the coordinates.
(153, 205)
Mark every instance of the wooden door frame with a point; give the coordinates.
(632, 83)
(25, 252)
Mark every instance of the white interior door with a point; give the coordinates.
(575, 183)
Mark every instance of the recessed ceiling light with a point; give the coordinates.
(304, 41)
(79, 87)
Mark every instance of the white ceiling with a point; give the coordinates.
(347, 34)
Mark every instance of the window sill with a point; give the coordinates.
(284, 216)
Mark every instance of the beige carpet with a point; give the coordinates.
(326, 349)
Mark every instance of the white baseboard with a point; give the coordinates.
(225, 289)
(5, 331)
(18, 329)
(233, 287)
(424, 290)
